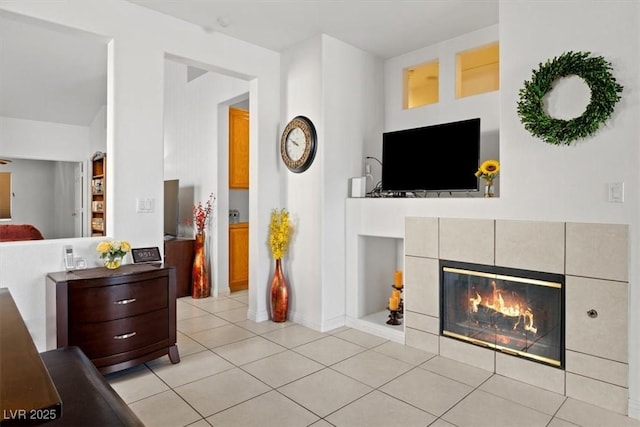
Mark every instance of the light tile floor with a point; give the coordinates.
(235, 372)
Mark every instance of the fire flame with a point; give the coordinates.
(513, 307)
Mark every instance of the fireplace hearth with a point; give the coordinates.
(514, 311)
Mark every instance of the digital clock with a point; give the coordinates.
(141, 255)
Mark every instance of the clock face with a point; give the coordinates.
(298, 144)
(295, 144)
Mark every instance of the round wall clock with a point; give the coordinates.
(298, 144)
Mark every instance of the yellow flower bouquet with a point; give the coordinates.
(112, 252)
(488, 170)
(279, 232)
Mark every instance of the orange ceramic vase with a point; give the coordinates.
(201, 287)
(279, 295)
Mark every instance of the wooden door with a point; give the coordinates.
(238, 148)
(238, 256)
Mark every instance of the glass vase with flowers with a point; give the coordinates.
(112, 251)
(488, 171)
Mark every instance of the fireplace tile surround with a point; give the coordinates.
(594, 260)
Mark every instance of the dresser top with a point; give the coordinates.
(103, 272)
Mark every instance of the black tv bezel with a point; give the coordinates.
(441, 189)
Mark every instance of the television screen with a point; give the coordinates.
(171, 215)
(439, 158)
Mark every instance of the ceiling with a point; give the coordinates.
(385, 28)
(50, 73)
(54, 74)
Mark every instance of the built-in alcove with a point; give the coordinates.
(379, 258)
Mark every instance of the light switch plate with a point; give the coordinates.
(615, 192)
(144, 205)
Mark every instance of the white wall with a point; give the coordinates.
(352, 95)
(302, 95)
(98, 132)
(191, 127)
(448, 109)
(29, 139)
(539, 181)
(32, 189)
(141, 39)
(339, 88)
(571, 184)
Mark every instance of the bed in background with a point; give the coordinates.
(18, 232)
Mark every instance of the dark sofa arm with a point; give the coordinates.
(87, 398)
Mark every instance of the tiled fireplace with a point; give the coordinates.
(540, 302)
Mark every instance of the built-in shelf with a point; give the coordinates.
(378, 259)
(376, 324)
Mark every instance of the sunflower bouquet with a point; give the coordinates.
(488, 170)
(279, 232)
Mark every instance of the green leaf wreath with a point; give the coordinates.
(605, 93)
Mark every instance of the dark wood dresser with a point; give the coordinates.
(179, 253)
(119, 318)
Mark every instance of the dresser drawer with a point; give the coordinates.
(102, 303)
(121, 335)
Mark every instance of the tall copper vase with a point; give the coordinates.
(279, 295)
(201, 288)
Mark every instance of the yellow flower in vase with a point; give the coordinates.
(279, 232)
(112, 252)
(488, 171)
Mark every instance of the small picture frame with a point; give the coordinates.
(97, 224)
(142, 255)
(97, 206)
(96, 186)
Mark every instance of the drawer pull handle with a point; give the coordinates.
(125, 301)
(124, 336)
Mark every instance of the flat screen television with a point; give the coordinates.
(171, 212)
(438, 158)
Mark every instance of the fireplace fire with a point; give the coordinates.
(517, 312)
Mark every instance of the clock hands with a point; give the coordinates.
(294, 142)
